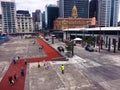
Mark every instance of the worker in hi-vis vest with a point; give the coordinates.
(62, 68)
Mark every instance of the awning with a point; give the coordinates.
(77, 39)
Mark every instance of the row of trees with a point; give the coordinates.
(85, 40)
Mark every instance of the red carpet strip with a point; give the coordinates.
(19, 84)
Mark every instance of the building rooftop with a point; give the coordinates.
(94, 29)
(23, 12)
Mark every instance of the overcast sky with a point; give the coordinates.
(32, 5)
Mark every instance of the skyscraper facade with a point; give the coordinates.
(0, 23)
(43, 20)
(51, 13)
(65, 7)
(8, 16)
(37, 20)
(108, 12)
(114, 12)
(93, 9)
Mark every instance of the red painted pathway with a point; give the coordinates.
(19, 84)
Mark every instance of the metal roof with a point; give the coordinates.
(94, 29)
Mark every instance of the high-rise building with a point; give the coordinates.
(37, 20)
(65, 7)
(0, 23)
(93, 9)
(108, 12)
(8, 16)
(51, 13)
(24, 22)
(43, 20)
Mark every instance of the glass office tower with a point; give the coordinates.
(66, 6)
(108, 12)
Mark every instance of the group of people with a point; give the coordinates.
(12, 79)
(15, 59)
(40, 48)
(45, 64)
(18, 58)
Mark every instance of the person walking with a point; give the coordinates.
(15, 77)
(62, 68)
(18, 57)
(10, 79)
(46, 65)
(14, 60)
(38, 64)
(25, 62)
(22, 71)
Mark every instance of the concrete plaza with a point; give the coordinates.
(84, 71)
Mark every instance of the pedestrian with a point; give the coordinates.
(10, 79)
(33, 42)
(15, 77)
(62, 68)
(46, 65)
(25, 62)
(18, 57)
(22, 71)
(38, 65)
(14, 60)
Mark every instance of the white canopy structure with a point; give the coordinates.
(77, 39)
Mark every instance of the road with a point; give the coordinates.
(100, 68)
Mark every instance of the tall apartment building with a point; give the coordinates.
(108, 12)
(37, 20)
(24, 22)
(8, 16)
(65, 7)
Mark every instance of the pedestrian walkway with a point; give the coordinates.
(19, 84)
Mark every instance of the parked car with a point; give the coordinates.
(89, 48)
(60, 48)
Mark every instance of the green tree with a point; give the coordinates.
(69, 46)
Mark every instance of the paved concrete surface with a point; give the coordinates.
(17, 47)
(85, 71)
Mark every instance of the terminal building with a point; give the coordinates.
(109, 36)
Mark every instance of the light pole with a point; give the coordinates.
(100, 25)
(72, 48)
(53, 39)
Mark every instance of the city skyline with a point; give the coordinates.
(26, 4)
(36, 4)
